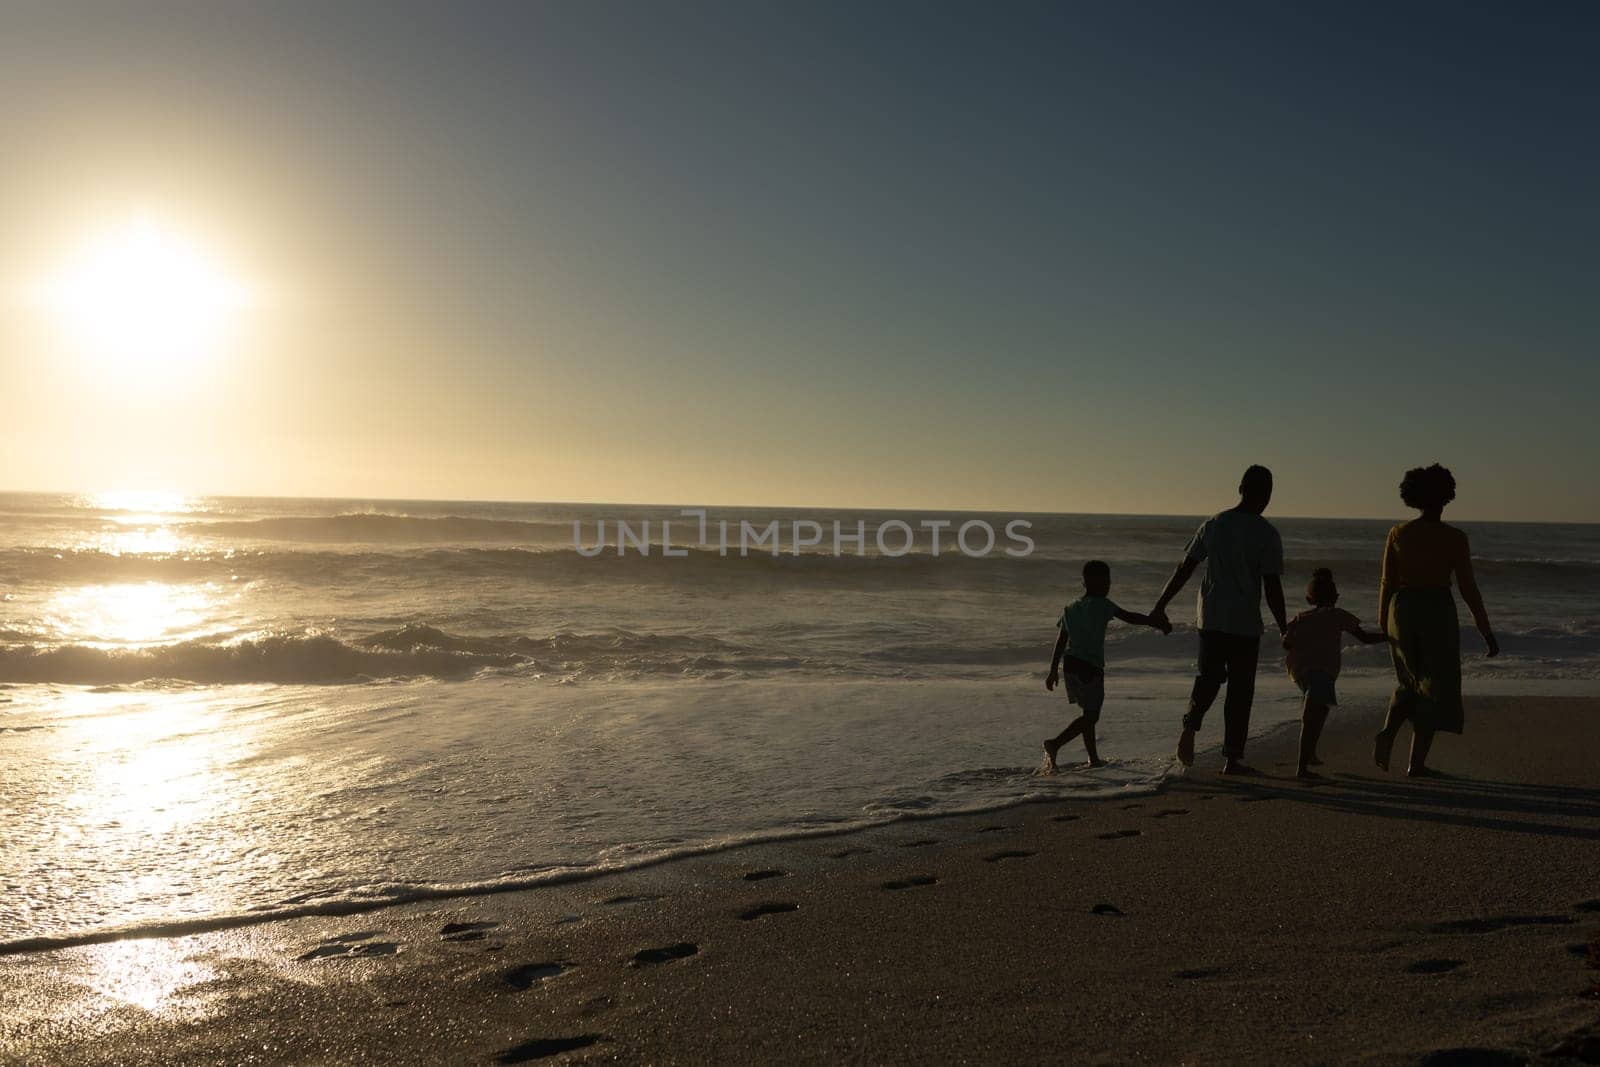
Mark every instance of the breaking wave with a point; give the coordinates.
(411, 651)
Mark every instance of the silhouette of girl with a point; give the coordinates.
(1418, 612)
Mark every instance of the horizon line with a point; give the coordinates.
(779, 507)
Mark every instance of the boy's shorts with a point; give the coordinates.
(1086, 686)
(1318, 685)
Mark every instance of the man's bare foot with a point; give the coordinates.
(1186, 747)
(1313, 761)
(1382, 745)
(1306, 774)
(1422, 772)
(1235, 767)
(1050, 750)
(1097, 762)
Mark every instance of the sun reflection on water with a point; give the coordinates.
(132, 613)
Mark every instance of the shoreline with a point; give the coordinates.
(1456, 913)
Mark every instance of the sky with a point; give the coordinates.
(1058, 257)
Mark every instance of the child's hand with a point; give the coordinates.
(1051, 679)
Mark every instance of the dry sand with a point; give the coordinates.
(1365, 919)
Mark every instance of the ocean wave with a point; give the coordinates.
(380, 527)
(415, 650)
(960, 793)
(285, 659)
(703, 566)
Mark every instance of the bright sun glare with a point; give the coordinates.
(144, 295)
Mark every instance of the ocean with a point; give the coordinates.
(215, 708)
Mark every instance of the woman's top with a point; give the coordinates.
(1424, 553)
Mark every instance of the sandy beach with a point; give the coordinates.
(1365, 918)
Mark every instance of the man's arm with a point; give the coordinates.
(1175, 584)
(1055, 660)
(1272, 585)
(1134, 618)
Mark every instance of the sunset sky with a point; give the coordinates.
(1071, 257)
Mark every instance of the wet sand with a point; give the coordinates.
(1365, 918)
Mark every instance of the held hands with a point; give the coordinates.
(1158, 619)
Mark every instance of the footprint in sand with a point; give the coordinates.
(1434, 966)
(761, 876)
(1009, 854)
(466, 931)
(350, 946)
(1493, 923)
(846, 853)
(913, 882)
(1194, 974)
(1255, 799)
(1065, 818)
(530, 974)
(994, 829)
(1472, 1057)
(665, 954)
(1132, 807)
(1106, 909)
(630, 898)
(920, 843)
(770, 908)
(1112, 835)
(1165, 813)
(541, 1047)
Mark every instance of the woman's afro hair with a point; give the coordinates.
(1425, 487)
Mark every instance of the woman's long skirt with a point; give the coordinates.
(1426, 647)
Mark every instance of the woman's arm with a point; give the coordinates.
(1386, 582)
(1474, 598)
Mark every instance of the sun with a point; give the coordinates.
(144, 295)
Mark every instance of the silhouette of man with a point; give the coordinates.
(1243, 554)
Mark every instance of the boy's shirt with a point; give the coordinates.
(1316, 638)
(1085, 621)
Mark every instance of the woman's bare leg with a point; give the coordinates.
(1421, 741)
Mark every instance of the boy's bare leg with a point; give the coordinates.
(1311, 722)
(1089, 746)
(1052, 745)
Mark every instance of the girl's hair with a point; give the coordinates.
(1320, 589)
(1428, 487)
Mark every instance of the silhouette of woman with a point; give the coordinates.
(1418, 612)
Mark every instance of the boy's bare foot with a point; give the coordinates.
(1306, 774)
(1313, 761)
(1236, 767)
(1097, 763)
(1382, 745)
(1422, 772)
(1050, 750)
(1186, 747)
